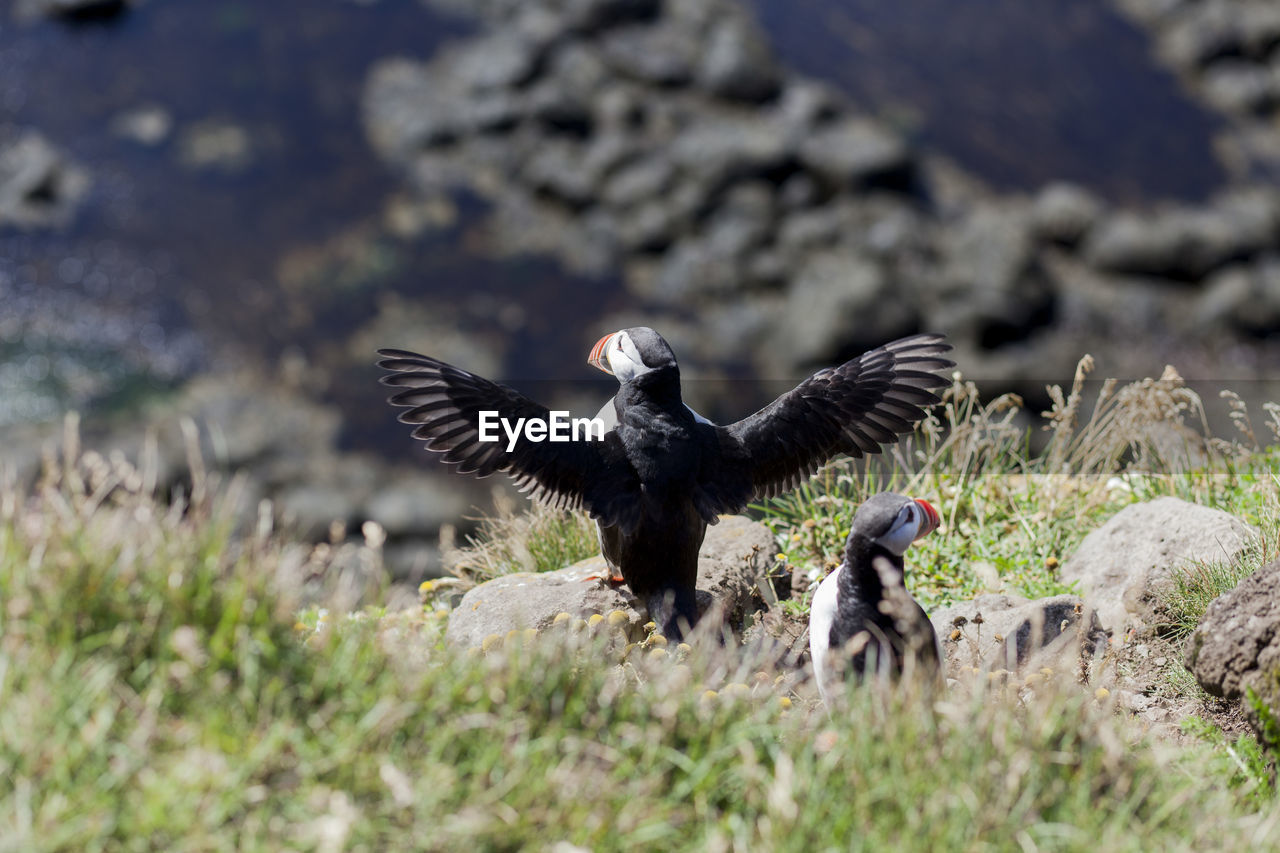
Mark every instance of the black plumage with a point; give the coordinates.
(662, 474)
(862, 619)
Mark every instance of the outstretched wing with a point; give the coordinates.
(855, 408)
(445, 402)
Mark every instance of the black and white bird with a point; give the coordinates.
(863, 621)
(662, 473)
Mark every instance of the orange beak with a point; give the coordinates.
(931, 518)
(597, 358)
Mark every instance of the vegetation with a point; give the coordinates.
(159, 689)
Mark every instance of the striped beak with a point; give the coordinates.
(597, 358)
(931, 519)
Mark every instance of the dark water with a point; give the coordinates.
(169, 260)
(1020, 92)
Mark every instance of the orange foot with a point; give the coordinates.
(613, 579)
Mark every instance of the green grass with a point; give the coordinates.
(167, 682)
(157, 693)
(1010, 516)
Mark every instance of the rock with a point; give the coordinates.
(992, 286)
(661, 55)
(1246, 297)
(71, 9)
(737, 63)
(1236, 647)
(1014, 632)
(501, 60)
(215, 144)
(1219, 29)
(413, 560)
(838, 305)
(309, 510)
(148, 124)
(1062, 213)
(556, 170)
(734, 557)
(1183, 243)
(1125, 565)
(587, 16)
(639, 181)
(416, 506)
(857, 152)
(1238, 86)
(39, 187)
(804, 104)
(716, 150)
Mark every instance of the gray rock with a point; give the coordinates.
(992, 286)
(733, 560)
(651, 227)
(1124, 566)
(147, 124)
(413, 560)
(1236, 647)
(717, 149)
(1217, 29)
(556, 169)
(1245, 297)
(587, 16)
(838, 304)
(857, 152)
(1187, 243)
(416, 506)
(39, 187)
(70, 9)
(738, 63)
(406, 107)
(1242, 87)
(742, 222)
(501, 60)
(1063, 213)
(639, 181)
(690, 270)
(661, 55)
(1014, 632)
(805, 103)
(308, 510)
(818, 226)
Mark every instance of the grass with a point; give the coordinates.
(1012, 516)
(159, 689)
(157, 693)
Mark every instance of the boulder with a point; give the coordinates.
(857, 152)
(1236, 647)
(995, 631)
(1063, 213)
(39, 187)
(737, 62)
(1125, 566)
(734, 558)
(839, 304)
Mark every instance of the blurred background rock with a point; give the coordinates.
(220, 209)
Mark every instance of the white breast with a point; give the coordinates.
(822, 615)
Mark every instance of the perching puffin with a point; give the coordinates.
(863, 620)
(661, 474)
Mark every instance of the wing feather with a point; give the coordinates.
(443, 404)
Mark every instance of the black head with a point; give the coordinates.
(633, 352)
(893, 522)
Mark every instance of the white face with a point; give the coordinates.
(904, 530)
(624, 359)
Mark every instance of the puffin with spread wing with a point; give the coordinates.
(662, 473)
